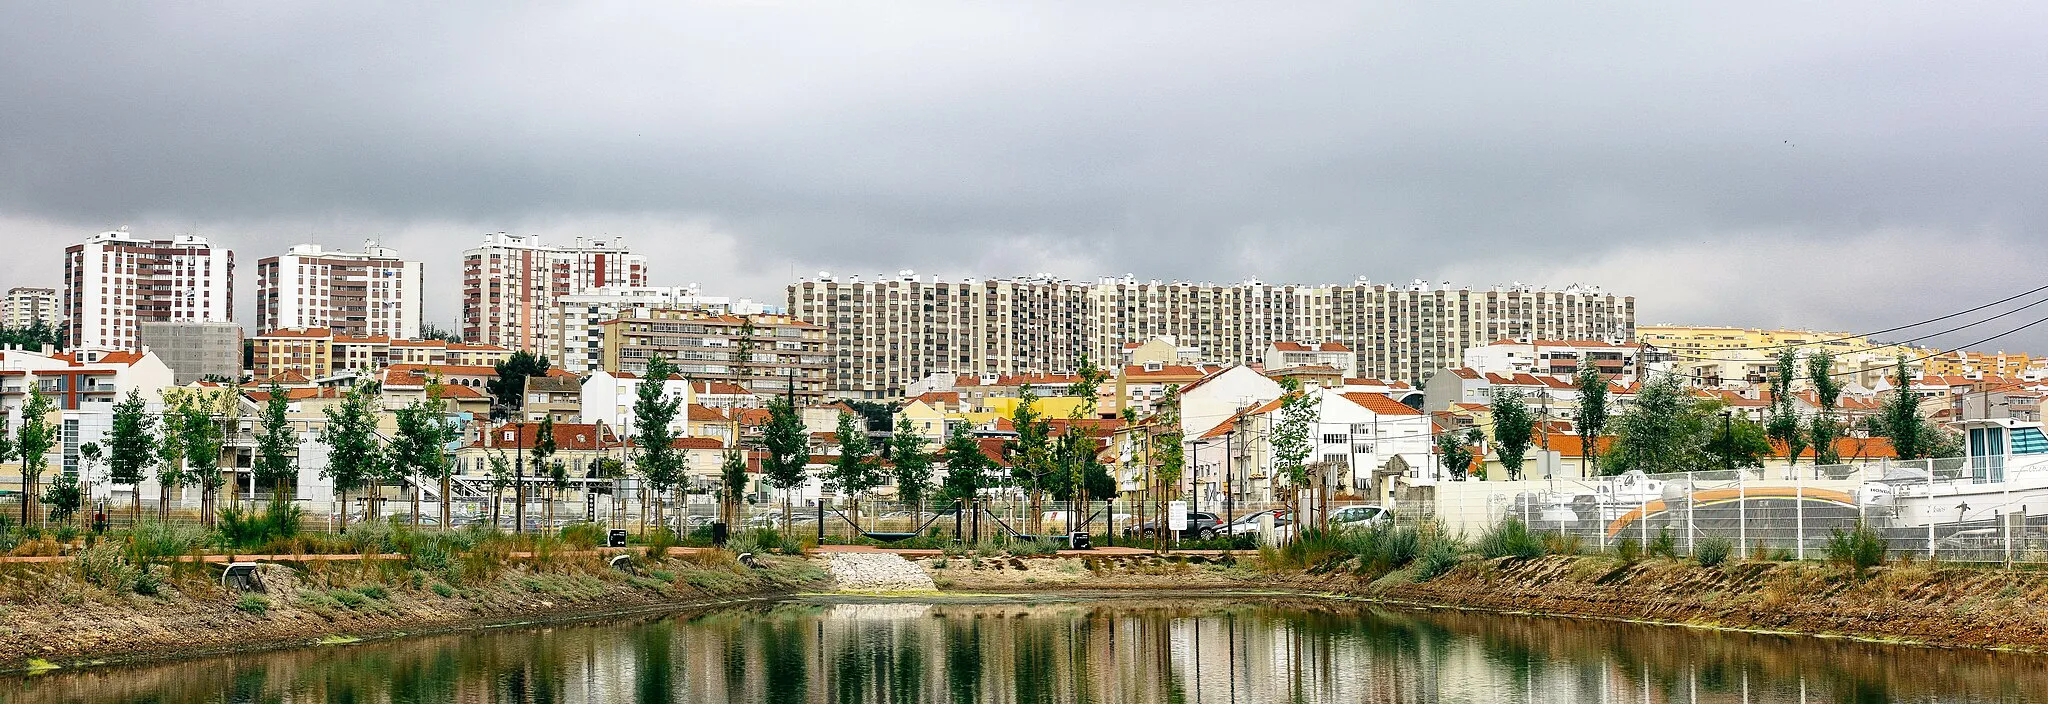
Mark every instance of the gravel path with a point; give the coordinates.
(877, 572)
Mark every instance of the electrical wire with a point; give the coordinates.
(1898, 328)
(1881, 345)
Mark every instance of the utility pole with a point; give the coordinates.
(519, 479)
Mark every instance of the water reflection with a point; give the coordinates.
(1177, 650)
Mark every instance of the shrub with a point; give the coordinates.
(154, 541)
(1510, 538)
(253, 604)
(149, 580)
(1629, 551)
(1712, 551)
(246, 529)
(1437, 557)
(1664, 545)
(660, 540)
(583, 536)
(371, 537)
(103, 564)
(348, 598)
(444, 591)
(374, 591)
(1859, 549)
(1562, 543)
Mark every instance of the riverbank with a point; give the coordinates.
(58, 615)
(1917, 603)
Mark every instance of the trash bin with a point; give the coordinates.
(718, 533)
(616, 538)
(1078, 540)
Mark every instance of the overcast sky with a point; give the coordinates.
(1768, 164)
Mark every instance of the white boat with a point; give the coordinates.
(2004, 471)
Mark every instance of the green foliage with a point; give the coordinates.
(1293, 434)
(420, 442)
(441, 589)
(910, 462)
(104, 564)
(354, 456)
(787, 446)
(654, 413)
(33, 337)
(1437, 557)
(1859, 549)
(64, 497)
(1591, 415)
(32, 442)
(1660, 432)
(732, 476)
(1783, 424)
(1664, 545)
(1030, 453)
(246, 529)
(1510, 538)
(1452, 451)
(508, 391)
(1514, 430)
(1823, 428)
(1911, 435)
(1629, 550)
(583, 536)
(1732, 442)
(149, 580)
(967, 466)
(130, 443)
(763, 541)
(659, 540)
(253, 604)
(855, 471)
(1712, 551)
(156, 541)
(202, 437)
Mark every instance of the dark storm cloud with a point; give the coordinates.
(1754, 164)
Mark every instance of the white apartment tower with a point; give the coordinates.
(889, 332)
(115, 281)
(364, 294)
(26, 305)
(511, 283)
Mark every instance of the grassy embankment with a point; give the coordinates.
(142, 595)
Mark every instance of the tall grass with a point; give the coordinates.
(1511, 538)
(1859, 549)
(248, 529)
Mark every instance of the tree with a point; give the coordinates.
(1513, 430)
(732, 484)
(34, 337)
(501, 479)
(1591, 415)
(1031, 454)
(1167, 454)
(1293, 438)
(1911, 435)
(544, 464)
(788, 450)
(420, 445)
(170, 458)
(1734, 443)
(1451, 450)
(32, 444)
(1782, 422)
(89, 454)
(853, 472)
(1827, 391)
(277, 445)
(353, 453)
(430, 331)
(130, 445)
(64, 497)
(654, 414)
(967, 466)
(1078, 446)
(202, 438)
(1659, 433)
(508, 391)
(911, 464)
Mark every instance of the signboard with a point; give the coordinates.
(1176, 516)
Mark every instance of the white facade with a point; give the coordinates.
(511, 283)
(84, 386)
(115, 281)
(26, 305)
(1217, 397)
(361, 294)
(1561, 357)
(575, 323)
(1290, 355)
(608, 399)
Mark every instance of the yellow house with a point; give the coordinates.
(1051, 406)
(928, 418)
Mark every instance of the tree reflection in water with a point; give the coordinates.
(1137, 649)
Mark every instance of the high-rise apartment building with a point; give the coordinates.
(510, 284)
(115, 281)
(891, 332)
(575, 325)
(26, 305)
(363, 294)
(764, 353)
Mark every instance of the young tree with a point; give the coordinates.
(1733, 442)
(1453, 453)
(89, 455)
(912, 465)
(353, 453)
(732, 484)
(1827, 391)
(853, 473)
(1591, 415)
(1294, 439)
(1031, 454)
(967, 467)
(170, 457)
(501, 479)
(130, 446)
(1660, 431)
(32, 442)
(542, 459)
(277, 445)
(788, 450)
(1782, 422)
(658, 461)
(1078, 445)
(420, 445)
(64, 497)
(508, 391)
(1513, 430)
(1912, 437)
(202, 437)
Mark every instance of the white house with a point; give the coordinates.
(608, 399)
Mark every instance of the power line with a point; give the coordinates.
(1901, 327)
(1892, 344)
(1921, 358)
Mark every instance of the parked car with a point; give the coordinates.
(1249, 524)
(1202, 525)
(1360, 516)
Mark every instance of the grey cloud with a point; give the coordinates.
(1307, 142)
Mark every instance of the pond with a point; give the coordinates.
(1132, 648)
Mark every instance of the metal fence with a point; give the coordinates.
(1951, 509)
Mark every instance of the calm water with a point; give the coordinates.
(1247, 649)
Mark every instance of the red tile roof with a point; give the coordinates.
(1380, 404)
